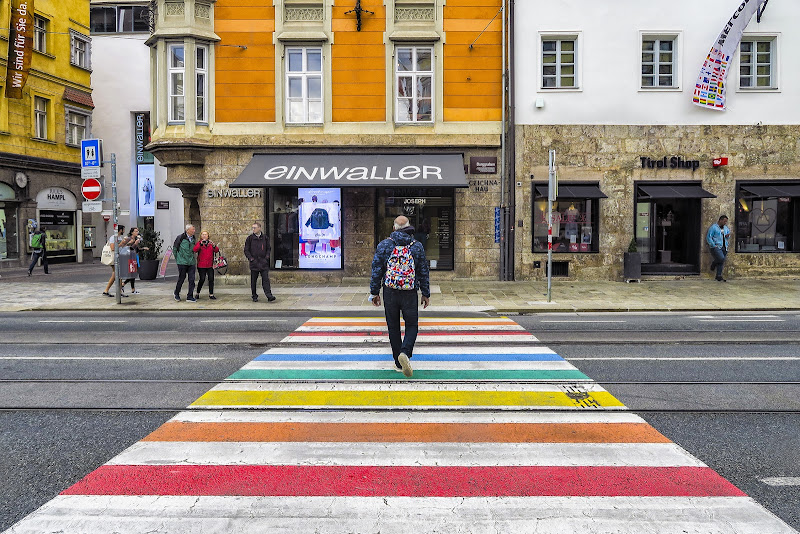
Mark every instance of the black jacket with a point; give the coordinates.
(256, 250)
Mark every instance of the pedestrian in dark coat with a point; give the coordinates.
(257, 250)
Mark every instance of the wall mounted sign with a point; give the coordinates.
(56, 198)
(483, 165)
(482, 186)
(674, 162)
(162, 204)
(235, 193)
(20, 47)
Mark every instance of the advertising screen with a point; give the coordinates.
(147, 190)
(320, 228)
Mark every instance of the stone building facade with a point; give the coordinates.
(349, 103)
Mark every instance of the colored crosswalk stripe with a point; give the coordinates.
(494, 432)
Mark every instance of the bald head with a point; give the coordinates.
(401, 222)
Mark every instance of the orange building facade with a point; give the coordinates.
(325, 119)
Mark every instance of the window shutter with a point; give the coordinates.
(66, 127)
(89, 54)
(72, 50)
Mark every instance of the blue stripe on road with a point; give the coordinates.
(533, 357)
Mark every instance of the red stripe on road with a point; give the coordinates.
(409, 481)
(443, 333)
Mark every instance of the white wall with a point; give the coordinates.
(610, 62)
(120, 87)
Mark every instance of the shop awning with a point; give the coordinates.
(773, 190)
(573, 191)
(653, 191)
(353, 170)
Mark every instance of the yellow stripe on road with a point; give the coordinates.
(595, 399)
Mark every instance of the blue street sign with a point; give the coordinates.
(497, 225)
(91, 153)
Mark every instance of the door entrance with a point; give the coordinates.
(668, 235)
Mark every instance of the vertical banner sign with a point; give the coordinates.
(20, 47)
(710, 88)
(145, 167)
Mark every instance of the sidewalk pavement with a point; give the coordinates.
(446, 296)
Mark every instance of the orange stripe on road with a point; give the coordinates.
(410, 432)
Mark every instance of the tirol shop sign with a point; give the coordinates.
(674, 162)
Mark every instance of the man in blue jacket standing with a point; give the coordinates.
(400, 267)
(717, 239)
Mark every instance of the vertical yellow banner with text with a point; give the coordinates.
(20, 47)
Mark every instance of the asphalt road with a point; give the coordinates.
(725, 387)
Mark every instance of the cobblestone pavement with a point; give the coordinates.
(504, 297)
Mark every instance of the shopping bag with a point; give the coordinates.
(107, 256)
(162, 269)
(220, 263)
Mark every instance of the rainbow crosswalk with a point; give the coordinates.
(494, 433)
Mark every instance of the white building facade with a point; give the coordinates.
(122, 95)
(609, 86)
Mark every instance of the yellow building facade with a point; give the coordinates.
(402, 84)
(40, 133)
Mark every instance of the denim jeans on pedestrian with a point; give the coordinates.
(36, 255)
(206, 272)
(395, 302)
(719, 255)
(183, 272)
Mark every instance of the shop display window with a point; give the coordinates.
(431, 212)
(766, 223)
(575, 225)
(306, 228)
(59, 227)
(8, 231)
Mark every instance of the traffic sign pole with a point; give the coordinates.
(114, 213)
(552, 192)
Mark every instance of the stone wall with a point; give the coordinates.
(611, 155)
(228, 220)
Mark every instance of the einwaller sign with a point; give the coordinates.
(354, 170)
(20, 47)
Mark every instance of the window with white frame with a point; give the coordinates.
(559, 63)
(658, 62)
(414, 83)
(756, 59)
(304, 85)
(77, 127)
(80, 50)
(201, 77)
(175, 75)
(40, 106)
(40, 34)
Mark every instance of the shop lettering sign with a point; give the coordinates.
(417, 201)
(368, 174)
(483, 165)
(674, 162)
(482, 186)
(20, 46)
(56, 198)
(142, 135)
(235, 193)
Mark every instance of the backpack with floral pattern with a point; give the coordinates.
(400, 273)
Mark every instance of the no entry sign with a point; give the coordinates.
(91, 189)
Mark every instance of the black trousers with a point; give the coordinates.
(183, 272)
(396, 302)
(36, 255)
(206, 272)
(264, 281)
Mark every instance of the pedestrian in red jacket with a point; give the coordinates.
(205, 249)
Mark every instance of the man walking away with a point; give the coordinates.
(256, 250)
(400, 267)
(183, 248)
(717, 238)
(39, 248)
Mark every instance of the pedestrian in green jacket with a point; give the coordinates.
(183, 248)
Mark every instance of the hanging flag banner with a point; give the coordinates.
(710, 89)
(20, 47)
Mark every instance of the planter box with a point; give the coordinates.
(148, 269)
(632, 266)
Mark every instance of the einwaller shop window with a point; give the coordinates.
(576, 217)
